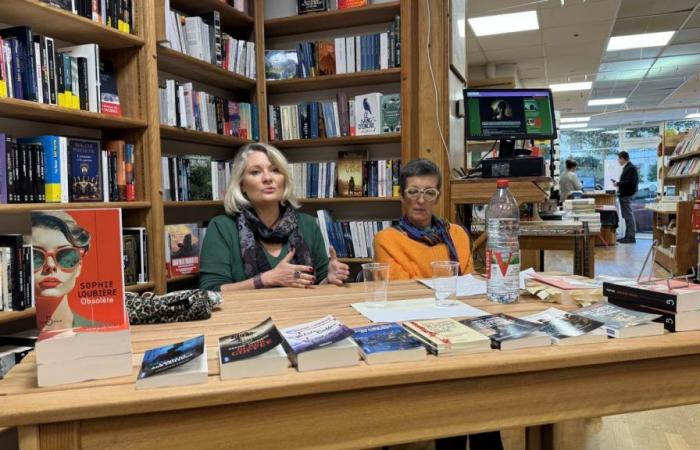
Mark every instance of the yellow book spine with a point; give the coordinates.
(53, 192)
(3, 89)
(75, 101)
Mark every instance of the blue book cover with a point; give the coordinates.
(17, 70)
(23, 51)
(317, 334)
(313, 119)
(84, 174)
(161, 359)
(384, 337)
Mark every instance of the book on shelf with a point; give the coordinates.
(203, 38)
(109, 95)
(88, 74)
(16, 274)
(183, 106)
(509, 333)
(448, 337)
(321, 344)
(79, 295)
(182, 246)
(351, 239)
(391, 113)
(689, 144)
(256, 352)
(569, 329)
(117, 14)
(194, 177)
(311, 6)
(358, 116)
(343, 54)
(135, 245)
(622, 322)
(350, 173)
(388, 343)
(346, 4)
(179, 364)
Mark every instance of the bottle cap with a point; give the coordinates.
(502, 184)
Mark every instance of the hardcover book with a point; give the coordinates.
(387, 343)
(445, 337)
(622, 322)
(84, 174)
(350, 179)
(568, 329)
(508, 332)
(367, 114)
(391, 113)
(254, 352)
(177, 364)
(281, 64)
(321, 344)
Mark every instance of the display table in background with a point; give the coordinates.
(609, 219)
(357, 407)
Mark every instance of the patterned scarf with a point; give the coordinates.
(252, 232)
(437, 234)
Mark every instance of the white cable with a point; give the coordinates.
(432, 77)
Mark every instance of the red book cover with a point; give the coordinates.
(77, 267)
(182, 248)
(345, 4)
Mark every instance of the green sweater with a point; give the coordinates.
(221, 262)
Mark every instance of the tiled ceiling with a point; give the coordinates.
(570, 46)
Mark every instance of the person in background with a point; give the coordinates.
(420, 238)
(627, 186)
(262, 241)
(569, 181)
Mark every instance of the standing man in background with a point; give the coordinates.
(569, 182)
(626, 188)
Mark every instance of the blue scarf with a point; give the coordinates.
(439, 233)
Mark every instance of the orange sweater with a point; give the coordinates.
(409, 259)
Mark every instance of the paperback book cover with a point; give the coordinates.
(84, 174)
(367, 114)
(391, 113)
(681, 296)
(199, 177)
(252, 342)
(78, 278)
(131, 259)
(325, 58)
(310, 6)
(312, 335)
(350, 179)
(561, 325)
(384, 337)
(109, 97)
(502, 327)
(161, 359)
(447, 336)
(622, 322)
(281, 64)
(182, 249)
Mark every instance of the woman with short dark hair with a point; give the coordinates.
(569, 181)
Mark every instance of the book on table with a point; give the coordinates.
(446, 337)
(667, 295)
(256, 352)
(79, 293)
(569, 329)
(321, 344)
(622, 322)
(388, 343)
(673, 321)
(508, 332)
(178, 364)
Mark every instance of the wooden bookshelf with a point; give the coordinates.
(141, 287)
(682, 177)
(184, 65)
(199, 137)
(11, 316)
(194, 203)
(332, 20)
(231, 18)
(58, 23)
(385, 138)
(40, 112)
(338, 81)
(686, 254)
(312, 201)
(684, 156)
(28, 207)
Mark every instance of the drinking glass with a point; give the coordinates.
(445, 282)
(376, 281)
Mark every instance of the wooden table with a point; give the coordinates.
(357, 407)
(532, 249)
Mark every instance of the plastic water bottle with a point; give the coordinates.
(502, 246)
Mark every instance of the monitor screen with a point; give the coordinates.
(509, 114)
(588, 183)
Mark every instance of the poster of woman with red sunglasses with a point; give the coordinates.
(77, 265)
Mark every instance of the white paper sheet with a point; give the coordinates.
(417, 309)
(466, 285)
(524, 275)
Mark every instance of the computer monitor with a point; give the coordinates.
(588, 183)
(509, 114)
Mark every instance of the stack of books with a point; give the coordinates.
(322, 344)
(678, 307)
(568, 329)
(447, 337)
(508, 332)
(582, 210)
(623, 323)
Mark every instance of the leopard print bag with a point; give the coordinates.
(178, 306)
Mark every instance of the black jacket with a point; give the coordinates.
(629, 179)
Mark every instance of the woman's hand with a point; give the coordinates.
(338, 272)
(289, 275)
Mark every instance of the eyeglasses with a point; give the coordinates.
(429, 194)
(67, 258)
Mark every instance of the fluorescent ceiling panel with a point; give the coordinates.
(618, 66)
(643, 40)
(575, 119)
(693, 116)
(622, 75)
(606, 101)
(566, 126)
(578, 86)
(504, 23)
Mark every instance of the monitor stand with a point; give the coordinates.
(506, 148)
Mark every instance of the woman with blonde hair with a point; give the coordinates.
(262, 240)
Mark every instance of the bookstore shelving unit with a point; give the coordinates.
(677, 250)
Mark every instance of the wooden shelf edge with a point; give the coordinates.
(684, 156)
(330, 20)
(58, 23)
(384, 138)
(336, 81)
(200, 137)
(11, 316)
(230, 16)
(193, 276)
(182, 64)
(27, 110)
(140, 287)
(681, 177)
(27, 207)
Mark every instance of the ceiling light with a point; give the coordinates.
(461, 25)
(693, 116)
(591, 129)
(639, 40)
(606, 101)
(566, 126)
(579, 86)
(504, 23)
(611, 132)
(575, 119)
